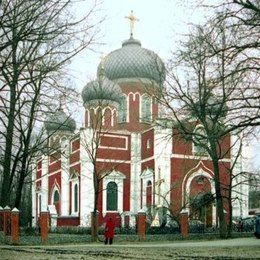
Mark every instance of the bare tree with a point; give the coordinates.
(211, 86)
(38, 40)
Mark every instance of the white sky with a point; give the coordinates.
(160, 28)
(162, 25)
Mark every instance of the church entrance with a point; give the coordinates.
(201, 207)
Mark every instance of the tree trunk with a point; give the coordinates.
(219, 200)
(94, 223)
(6, 184)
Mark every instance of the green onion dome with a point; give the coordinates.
(102, 89)
(133, 61)
(60, 121)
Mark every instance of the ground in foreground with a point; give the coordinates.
(243, 248)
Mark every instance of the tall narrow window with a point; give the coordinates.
(112, 191)
(56, 197)
(149, 193)
(76, 198)
(122, 110)
(200, 140)
(146, 108)
(56, 201)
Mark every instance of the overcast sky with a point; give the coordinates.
(161, 26)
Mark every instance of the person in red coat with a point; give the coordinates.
(109, 231)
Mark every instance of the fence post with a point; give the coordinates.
(7, 221)
(44, 225)
(15, 226)
(141, 224)
(184, 221)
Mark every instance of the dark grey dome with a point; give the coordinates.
(102, 89)
(133, 61)
(60, 121)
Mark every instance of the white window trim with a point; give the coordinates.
(146, 175)
(141, 108)
(118, 178)
(73, 183)
(148, 143)
(39, 198)
(126, 100)
(186, 189)
(53, 192)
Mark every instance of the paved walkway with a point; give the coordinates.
(236, 242)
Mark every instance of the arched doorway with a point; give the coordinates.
(201, 208)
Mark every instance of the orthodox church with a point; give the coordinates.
(143, 163)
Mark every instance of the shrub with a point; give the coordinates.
(30, 231)
(196, 226)
(125, 230)
(163, 230)
(72, 230)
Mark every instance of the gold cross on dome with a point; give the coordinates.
(132, 19)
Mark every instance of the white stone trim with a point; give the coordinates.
(135, 183)
(55, 187)
(127, 109)
(64, 192)
(162, 164)
(147, 175)
(74, 182)
(112, 160)
(196, 157)
(186, 188)
(118, 178)
(45, 182)
(145, 95)
(86, 203)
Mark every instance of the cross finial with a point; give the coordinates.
(132, 19)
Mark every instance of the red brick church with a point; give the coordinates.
(147, 164)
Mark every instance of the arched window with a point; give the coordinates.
(76, 201)
(200, 140)
(149, 193)
(56, 201)
(122, 110)
(112, 196)
(146, 108)
(56, 197)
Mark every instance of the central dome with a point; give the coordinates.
(133, 61)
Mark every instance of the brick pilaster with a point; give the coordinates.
(141, 225)
(15, 226)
